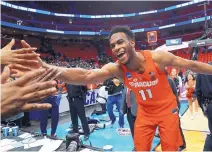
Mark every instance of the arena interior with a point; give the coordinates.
(75, 34)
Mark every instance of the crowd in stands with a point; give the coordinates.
(59, 59)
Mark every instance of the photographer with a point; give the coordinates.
(115, 89)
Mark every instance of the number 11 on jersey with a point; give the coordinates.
(143, 94)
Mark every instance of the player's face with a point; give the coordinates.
(121, 47)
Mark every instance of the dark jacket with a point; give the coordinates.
(174, 89)
(203, 87)
(76, 91)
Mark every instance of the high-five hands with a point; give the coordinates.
(24, 56)
(25, 93)
(18, 70)
(21, 60)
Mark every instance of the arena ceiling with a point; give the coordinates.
(98, 7)
(94, 7)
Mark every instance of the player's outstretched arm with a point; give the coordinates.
(81, 76)
(168, 59)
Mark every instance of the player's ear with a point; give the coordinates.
(132, 43)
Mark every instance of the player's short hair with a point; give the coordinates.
(122, 29)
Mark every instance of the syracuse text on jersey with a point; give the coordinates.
(144, 83)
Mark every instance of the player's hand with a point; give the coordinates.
(40, 62)
(21, 95)
(18, 70)
(24, 56)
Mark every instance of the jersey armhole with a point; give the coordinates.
(158, 70)
(147, 54)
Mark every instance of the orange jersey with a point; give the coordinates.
(153, 92)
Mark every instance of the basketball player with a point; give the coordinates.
(143, 73)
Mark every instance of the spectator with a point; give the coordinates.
(177, 80)
(54, 110)
(115, 90)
